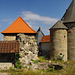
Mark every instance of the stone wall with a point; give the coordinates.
(45, 46)
(71, 44)
(5, 65)
(58, 43)
(28, 49)
(9, 38)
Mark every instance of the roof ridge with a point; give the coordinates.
(12, 24)
(26, 24)
(41, 31)
(17, 21)
(59, 24)
(69, 13)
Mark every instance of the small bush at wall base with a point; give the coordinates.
(18, 63)
(42, 58)
(51, 69)
(35, 40)
(35, 61)
(60, 58)
(12, 67)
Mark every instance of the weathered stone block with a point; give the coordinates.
(28, 49)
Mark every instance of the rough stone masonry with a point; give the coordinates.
(28, 49)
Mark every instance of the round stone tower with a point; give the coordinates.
(69, 22)
(71, 43)
(58, 37)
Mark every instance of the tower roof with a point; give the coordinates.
(39, 35)
(19, 26)
(39, 29)
(59, 25)
(69, 15)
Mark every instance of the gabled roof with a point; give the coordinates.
(9, 46)
(39, 35)
(45, 38)
(59, 25)
(19, 26)
(39, 30)
(69, 15)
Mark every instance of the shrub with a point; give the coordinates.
(51, 69)
(20, 55)
(35, 61)
(18, 63)
(66, 63)
(12, 67)
(59, 58)
(35, 40)
(42, 58)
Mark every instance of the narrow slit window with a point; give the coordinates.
(64, 36)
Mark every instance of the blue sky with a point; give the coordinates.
(37, 13)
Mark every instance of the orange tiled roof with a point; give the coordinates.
(9, 46)
(19, 26)
(45, 38)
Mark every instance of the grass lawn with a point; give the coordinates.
(68, 69)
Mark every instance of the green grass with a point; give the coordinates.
(42, 59)
(68, 69)
(35, 61)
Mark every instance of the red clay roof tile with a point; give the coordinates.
(9, 46)
(45, 38)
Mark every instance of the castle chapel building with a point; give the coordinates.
(62, 35)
